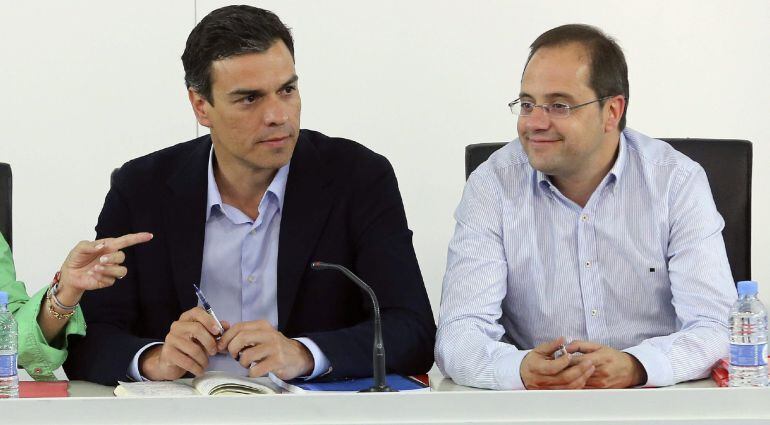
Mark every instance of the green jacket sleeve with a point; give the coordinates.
(36, 356)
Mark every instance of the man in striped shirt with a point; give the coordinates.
(583, 233)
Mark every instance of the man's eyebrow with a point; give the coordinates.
(258, 92)
(549, 96)
(246, 92)
(291, 80)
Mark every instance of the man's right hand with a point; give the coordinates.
(540, 371)
(187, 348)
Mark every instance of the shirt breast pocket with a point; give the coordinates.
(654, 279)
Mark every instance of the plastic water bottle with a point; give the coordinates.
(748, 338)
(9, 348)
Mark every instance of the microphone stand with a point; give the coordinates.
(378, 356)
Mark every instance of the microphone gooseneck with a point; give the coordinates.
(378, 356)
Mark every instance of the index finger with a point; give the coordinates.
(583, 347)
(234, 330)
(542, 366)
(547, 348)
(197, 314)
(565, 378)
(128, 240)
(229, 334)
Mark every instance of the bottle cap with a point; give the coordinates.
(3, 297)
(747, 287)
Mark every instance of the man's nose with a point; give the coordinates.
(276, 112)
(537, 120)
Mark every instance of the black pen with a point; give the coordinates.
(207, 307)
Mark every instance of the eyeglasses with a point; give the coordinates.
(554, 110)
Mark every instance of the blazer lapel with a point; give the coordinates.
(184, 214)
(306, 206)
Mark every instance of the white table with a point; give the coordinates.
(690, 403)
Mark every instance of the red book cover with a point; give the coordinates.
(37, 389)
(422, 378)
(720, 373)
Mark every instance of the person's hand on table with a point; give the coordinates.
(540, 371)
(187, 347)
(614, 368)
(262, 349)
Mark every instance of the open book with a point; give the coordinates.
(211, 383)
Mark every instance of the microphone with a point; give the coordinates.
(378, 355)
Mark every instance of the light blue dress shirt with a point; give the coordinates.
(239, 273)
(641, 268)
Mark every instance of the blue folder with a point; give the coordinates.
(398, 382)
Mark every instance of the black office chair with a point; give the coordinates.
(728, 167)
(112, 176)
(6, 186)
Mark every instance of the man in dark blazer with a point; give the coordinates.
(328, 199)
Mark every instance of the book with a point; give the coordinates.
(397, 382)
(209, 384)
(720, 373)
(39, 389)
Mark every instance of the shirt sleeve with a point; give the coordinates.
(321, 363)
(702, 288)
(133, 368)
(468, 347)
(36, 355)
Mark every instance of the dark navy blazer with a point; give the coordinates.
(342, 205)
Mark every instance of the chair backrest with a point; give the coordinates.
(112, 176)
(728, 167)
(6, 186)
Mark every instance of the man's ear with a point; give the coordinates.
(613, 112)
(200, 107)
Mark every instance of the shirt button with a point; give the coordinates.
(38, 370)
(594, 312)
(250, 279)
(583, 217)
(588, 264)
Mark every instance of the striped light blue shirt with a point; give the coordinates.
(641, 268)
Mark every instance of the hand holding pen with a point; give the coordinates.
(186, 348)
(208, 309)
(546, 367)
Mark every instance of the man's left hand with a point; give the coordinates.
(614, 368)
(261, 348)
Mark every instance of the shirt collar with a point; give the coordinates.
(612, 176)
(277, 188)
(620, 162)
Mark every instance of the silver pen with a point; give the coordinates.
(560, 352)
(208, 308)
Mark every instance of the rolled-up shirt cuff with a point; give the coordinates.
(508, 370)
(133, 369)
(321, 363)
(655, 363)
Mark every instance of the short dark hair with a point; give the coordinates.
(609, 72)
(225, 32)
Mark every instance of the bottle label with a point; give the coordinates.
(748, 354)
(8, 365)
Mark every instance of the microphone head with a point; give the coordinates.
(320, 265)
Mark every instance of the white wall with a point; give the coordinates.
(89, 85)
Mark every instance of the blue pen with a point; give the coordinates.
(207, 307)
